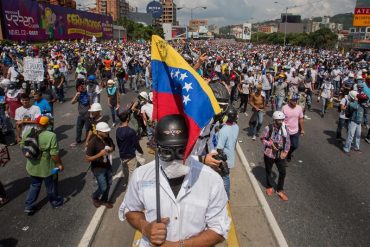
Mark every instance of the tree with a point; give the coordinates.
(136, 31)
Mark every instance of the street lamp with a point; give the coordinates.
(191, 12)
(286, 19)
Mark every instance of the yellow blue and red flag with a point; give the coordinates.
(179, 89)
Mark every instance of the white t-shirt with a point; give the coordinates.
(13, 74)
(148, 110)
(343, 101)
(326, 89)
(31, 113)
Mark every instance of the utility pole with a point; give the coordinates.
(286, 20)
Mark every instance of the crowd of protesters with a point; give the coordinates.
(258, 79)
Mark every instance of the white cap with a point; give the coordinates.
(359, 77)
(278, 115)
(353, 94)
(351, 75)
(144, 95)
(95, 107)
(110, 82)
(103, 127)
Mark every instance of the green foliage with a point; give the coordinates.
(137, 31)
(323, 38)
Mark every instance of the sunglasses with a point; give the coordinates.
(169, 154)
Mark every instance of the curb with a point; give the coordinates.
(88, 237)
(262, 200)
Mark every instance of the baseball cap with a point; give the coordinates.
(103, 127)
(42, 120)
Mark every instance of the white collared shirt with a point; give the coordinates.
(200, 204)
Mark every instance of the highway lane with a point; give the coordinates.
(329, 200)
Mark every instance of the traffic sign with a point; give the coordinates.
(155, 9)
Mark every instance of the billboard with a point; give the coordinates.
(361, 16)
(179, 32)
(33, 21)
(247, 31)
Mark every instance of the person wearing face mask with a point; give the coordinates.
(258, 103)
(226, 143)
(279, 91)
(192, 197)
(59, 81)
(12, 99)
(128, 144)
(276, 142)
(98, 153)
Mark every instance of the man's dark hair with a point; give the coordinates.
(124, 116)
(25, 96)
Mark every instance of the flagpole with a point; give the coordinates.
(157, 178)
(157, 187)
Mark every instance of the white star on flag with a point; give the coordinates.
(187, 86)
(177, 73)
(172, 73)
(186, 99)
(183, 76)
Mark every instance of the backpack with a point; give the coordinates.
(31, 149)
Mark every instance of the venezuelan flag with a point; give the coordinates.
(179, 89)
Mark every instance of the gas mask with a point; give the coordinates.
(171, 161)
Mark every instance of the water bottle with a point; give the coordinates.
(55, 170)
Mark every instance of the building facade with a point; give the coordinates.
(115, 8)
(169, 13)
(63, 3)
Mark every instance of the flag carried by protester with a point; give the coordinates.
(179, 89)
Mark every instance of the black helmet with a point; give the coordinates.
(172, 131)
(232, 114)
(221, 93)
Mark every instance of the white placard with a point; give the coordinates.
(33, 69)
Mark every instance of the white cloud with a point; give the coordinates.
(223, 12)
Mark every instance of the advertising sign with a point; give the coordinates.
(33, 21)
(155, 9)
(361, 17)
(33, 69)
(179, 32)
(247, 31)
(167, 31)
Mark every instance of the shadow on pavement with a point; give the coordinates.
(8, 242)
(72, 186)
(61, 129)
(17, 187)
(333, 138)
(260, 175)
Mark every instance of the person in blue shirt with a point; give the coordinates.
(366, 91)
(226, 142)
(42, 103)
(355, 113)
(45, 108)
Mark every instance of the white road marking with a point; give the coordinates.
(261, 198)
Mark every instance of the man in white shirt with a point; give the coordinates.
(336, 74)
(343, 120)
(192, 197)
(25, 116)
(13, 73)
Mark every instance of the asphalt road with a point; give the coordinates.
(329, 200)
(52, 227)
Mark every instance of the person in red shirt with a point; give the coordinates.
(12, 100)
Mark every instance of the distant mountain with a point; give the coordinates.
(345, 19)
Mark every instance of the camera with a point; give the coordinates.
(221, 156)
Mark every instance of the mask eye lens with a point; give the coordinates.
(180, 152)
(166, 154)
